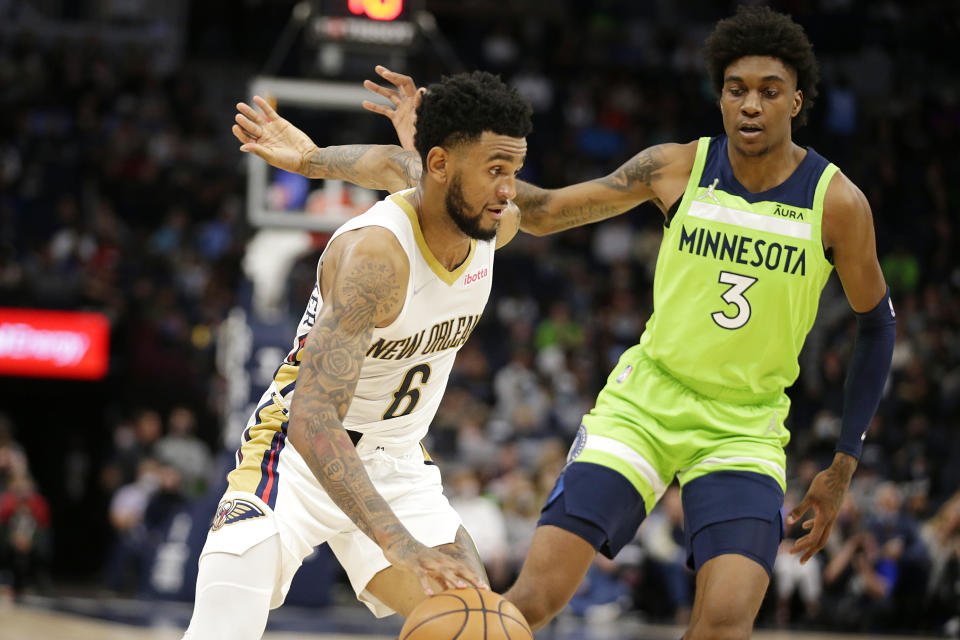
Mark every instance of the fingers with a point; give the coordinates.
(403, 82)
(378, 108)
(389, 94)
(252, 129)
(813, 542)
(268, 111)
(242, 135)
(250, 113)
(448, 574)
(797, 512)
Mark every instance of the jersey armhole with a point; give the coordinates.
(819, 195)
(703, 146)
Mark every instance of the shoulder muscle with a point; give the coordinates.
(364, 276)
(848, 230)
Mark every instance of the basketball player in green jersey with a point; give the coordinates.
(753, 225)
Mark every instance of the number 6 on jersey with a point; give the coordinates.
(405, 392)
(734, 295)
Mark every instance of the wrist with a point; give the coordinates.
(844, 464)
(306, 161)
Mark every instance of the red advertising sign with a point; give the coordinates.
(377, 9)
(54, 344)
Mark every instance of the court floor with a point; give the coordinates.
(20, 622)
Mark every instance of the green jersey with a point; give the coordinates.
(738, 278)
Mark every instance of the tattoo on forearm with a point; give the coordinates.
(408, 165)
(338, 163)
(535, 214)
(373, 166)
(531, 200)
(333, 355)
(543, 214)
(641, 169)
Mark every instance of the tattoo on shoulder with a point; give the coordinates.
(367, 292)
(641, 169)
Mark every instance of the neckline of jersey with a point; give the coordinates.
(770, 194)
(441, 271)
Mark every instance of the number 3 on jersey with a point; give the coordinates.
(734, 295)
(406, 392)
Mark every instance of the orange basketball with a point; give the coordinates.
(466, 614)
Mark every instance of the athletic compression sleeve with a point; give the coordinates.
(876, 333)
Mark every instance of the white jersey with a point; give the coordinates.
(406, 367)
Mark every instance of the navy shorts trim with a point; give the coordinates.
(597, 504)
(733, 512)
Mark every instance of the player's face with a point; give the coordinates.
(758, 101)
(484, 181)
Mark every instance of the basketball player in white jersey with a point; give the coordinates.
(332, 453)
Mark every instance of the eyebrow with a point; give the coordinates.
(500, 155)
(770, 78)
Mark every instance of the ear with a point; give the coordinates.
(797, 103)
(438, 160)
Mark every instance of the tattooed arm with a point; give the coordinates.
(265, 134)
(657, 174)
(363, 280)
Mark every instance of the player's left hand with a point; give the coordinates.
(405, 98)
(824, 496)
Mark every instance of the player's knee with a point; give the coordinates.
(718, 622)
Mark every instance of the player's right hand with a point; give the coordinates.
(273, 138)
(405, 99)
(433, 567)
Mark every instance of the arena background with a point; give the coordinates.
(122, 193)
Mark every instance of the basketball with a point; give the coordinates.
(466, 614)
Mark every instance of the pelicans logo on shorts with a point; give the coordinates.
(235, 510)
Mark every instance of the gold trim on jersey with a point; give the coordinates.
(248, 474)
(442, 272)
(426, 455)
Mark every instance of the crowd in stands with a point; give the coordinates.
(121, 191)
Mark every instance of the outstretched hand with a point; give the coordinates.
(433, 567)
(825, 496)
(271, 137)
(405, 99)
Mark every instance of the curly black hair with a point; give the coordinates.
(761, 31)
(461, 107)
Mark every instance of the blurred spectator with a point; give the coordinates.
(130, 547)
(603, 595)
(558, 329)
(183, 451)
(942, 536)
(24, 534)
(521, 404)
(868, 575)
(13, 462)
(164, 503)
(791, 578)
(483, 519)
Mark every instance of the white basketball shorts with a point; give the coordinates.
(281, 495)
